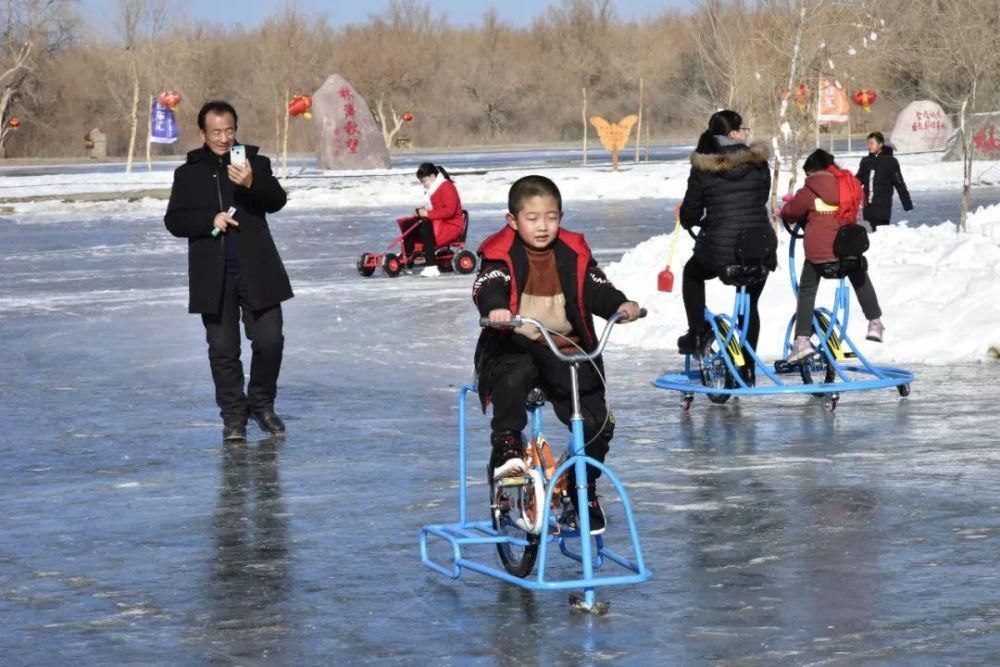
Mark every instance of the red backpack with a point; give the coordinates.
(851, 195)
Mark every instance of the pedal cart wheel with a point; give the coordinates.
(392, 265)
(366, 264)
(513, 502)
(714, 372)
(464, 262)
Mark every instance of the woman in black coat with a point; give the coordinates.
(879, 174)
(727, 193)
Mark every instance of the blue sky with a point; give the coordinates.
(339, 12)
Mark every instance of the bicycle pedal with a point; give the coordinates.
(507, 482)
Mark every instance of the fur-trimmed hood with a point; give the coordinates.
(755, 155)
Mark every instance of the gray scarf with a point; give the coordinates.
(726, 141)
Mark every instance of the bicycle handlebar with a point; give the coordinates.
(518, 321)
(797, 233)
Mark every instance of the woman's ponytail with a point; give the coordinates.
(719, 125)
(707, 143)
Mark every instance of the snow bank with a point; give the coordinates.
(939, 291)
(310, 188)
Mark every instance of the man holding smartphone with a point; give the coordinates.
(219, 202)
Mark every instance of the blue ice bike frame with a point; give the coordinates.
(830, 326)
(591, 557)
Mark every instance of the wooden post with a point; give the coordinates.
(647, 142)
(849, 137)
(638, 131)
(819, 104)
(284, 142)
(133, 122)
(584, 127)
(149, 137)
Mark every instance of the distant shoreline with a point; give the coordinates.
(139, 163)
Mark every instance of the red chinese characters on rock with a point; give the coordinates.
(351, 135)
(929, 125)
(929, 120)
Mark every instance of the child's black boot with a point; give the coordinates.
(598, 521)
(507, 458)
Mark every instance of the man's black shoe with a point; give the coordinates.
(234, 432)
(269, 422)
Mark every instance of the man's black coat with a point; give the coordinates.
(201, 190)
(879, 174)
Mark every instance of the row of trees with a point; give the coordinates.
(492, 83)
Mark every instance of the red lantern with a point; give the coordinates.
(14, 123)
(802, 96)
(300, 106)
(865, 98)
(407, 117)
(170, 99)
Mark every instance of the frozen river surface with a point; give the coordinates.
(776, 533)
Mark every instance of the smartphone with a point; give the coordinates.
(238, 155)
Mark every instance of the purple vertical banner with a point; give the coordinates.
(163, 124)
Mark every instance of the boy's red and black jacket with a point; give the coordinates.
(504, 273)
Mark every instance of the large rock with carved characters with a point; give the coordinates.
(349, 138)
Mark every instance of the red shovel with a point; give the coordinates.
(665, 279)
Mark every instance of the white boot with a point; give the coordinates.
(802, 349)
(875, 330)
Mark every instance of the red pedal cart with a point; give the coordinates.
(451, 257)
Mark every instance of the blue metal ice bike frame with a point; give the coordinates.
(830, 327)
(592, 558)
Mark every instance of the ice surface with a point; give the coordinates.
(776, 533)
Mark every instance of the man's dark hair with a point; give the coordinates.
(531, 186)
(877, 136)
(218, 107)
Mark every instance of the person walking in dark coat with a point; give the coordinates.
(233, 267)
(727, 193)
(879, 173)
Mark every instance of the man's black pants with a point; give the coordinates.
(222, 331)
(519, 369)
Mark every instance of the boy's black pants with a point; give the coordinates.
(222, 331)
(521, 368)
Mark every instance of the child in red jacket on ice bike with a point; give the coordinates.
(535, 268)
(828, 201)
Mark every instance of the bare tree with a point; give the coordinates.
(961, 69)
(391, 59)
(798, 42)
(33, 30)
(139, 23)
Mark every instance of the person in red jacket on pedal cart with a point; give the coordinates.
(439, 222)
